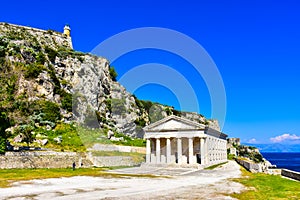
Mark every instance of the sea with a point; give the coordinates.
(289, 161)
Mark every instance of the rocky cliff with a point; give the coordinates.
(42, 77)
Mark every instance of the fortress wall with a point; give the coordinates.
(51, 37)
(107, 147)
(250, 166)
(42, 159)
(290, 174)
(112, 161)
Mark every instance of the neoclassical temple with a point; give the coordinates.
(179, 141)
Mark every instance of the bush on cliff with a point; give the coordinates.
(113, 73)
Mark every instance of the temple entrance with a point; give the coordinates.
(198, 156)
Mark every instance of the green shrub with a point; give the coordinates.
(50, 109)
(113, 73)
(168, 111)
(2, 51)
(2, 145)
(40, 58)
(4, 124)
(108, 104)
(140, 122)
(26, 131)
(66, 101)
(144, 104)
(51, 54)
(80, 58)
(33, 70)
(176, 112)
(50, 32)
(230, 156)
(257, 158)
(64, 82)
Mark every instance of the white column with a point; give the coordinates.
(217, 149)
(191, 151)
(209, 152)
(168, 152)
(206, 150)
(225, 149)
(202, 151)
(157, 150)
(179, 150)
(148, 150)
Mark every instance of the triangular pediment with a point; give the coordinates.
(173, 123)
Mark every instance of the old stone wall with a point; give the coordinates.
(290, 174)
(43, 159)
(111, 161)
(107, 147)
(52, 38)
(250, 166)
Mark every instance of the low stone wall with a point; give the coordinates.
(107, 147)
(111, 161)
(43, 159)
(290, 174)
(275, 171)
(252, 167)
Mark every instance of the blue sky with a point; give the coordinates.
(254, 44)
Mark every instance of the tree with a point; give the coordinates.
(26, 131)
(113, 73)
(2, 145)
(4, 124)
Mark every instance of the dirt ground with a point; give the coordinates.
(181, 183)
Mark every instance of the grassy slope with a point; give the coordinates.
(264, 186)
(78, 139)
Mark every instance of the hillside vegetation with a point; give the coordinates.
(46, 88)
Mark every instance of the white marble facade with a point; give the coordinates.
(176, 140)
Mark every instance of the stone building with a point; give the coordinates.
(179, 141)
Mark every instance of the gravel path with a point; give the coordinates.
(182, 184)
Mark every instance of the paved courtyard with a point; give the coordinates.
(176, 183)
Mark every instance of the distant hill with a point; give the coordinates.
(276, 147)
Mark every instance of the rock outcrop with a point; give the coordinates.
(40, 72)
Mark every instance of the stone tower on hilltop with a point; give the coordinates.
(67, 30)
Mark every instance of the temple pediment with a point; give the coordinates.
(174, 123)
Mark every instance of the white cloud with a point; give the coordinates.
(253, 140)
(285, 137)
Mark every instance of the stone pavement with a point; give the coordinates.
(183, 183)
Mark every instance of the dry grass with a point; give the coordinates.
(9, 176)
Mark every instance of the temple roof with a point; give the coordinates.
(174, 123)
